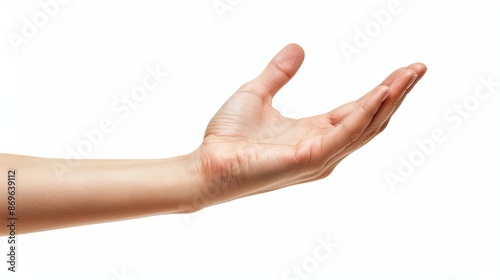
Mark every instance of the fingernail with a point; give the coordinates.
(387, 92)
(412, 81)
(377, 97)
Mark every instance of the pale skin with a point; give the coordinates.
(248, 148)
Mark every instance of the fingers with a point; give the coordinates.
(398, 90)
(338, 114)
(277, 73)
(387, 82)
(420, 70)
(350, 129)
(394, 101)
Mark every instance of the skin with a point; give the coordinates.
(248, 148)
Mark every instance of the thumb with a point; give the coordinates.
(277, 73)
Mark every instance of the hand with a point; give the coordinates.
(249, 148)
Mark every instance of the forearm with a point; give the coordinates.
(96, 190)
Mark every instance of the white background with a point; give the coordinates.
(442, 222)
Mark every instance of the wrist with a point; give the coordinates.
(210, 181)
(183, 181)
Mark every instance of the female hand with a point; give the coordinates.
(250, 148)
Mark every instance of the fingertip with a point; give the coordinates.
(418, 67)
(296, 48)
(290, 58)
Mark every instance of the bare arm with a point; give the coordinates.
(96, 190)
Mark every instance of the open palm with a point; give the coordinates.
(250, 148)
